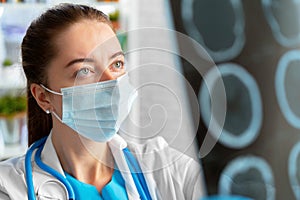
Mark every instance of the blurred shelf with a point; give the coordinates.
(16, 17)
(15, 8)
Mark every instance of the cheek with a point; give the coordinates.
(56, 102)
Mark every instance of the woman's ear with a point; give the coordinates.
(41, 96)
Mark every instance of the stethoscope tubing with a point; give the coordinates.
(28, 168)
(54, 173)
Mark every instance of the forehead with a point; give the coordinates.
(81, 38)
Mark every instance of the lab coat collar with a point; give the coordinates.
(117, 142)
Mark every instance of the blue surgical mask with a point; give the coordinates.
(96, 111)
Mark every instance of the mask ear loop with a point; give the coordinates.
(51, 91)
(48, 111)
(55, 115)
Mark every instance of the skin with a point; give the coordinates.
(74, 45)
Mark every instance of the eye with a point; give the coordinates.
(118, 65)
(83, 72)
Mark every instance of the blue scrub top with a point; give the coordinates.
(115, 189)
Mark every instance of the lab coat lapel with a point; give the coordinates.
(117, 144)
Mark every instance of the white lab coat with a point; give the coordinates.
(169, 174)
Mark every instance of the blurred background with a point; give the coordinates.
(254, 44)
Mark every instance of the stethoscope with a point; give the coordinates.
(133, 165)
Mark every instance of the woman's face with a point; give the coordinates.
(88, 52)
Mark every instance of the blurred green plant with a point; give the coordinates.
(7, 62)
(114, 16)
(10, 105)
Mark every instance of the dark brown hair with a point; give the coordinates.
(38, 50)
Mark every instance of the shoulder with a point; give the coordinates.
(153, 144)
(14, 161)
(156, 144)
(13, 181)
(158, 150)
(12, 166)
(11, 176)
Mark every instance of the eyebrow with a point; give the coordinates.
(78, 60)
(117, 54)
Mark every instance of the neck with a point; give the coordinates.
(88, 161)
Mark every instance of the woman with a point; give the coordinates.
(77, 91)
